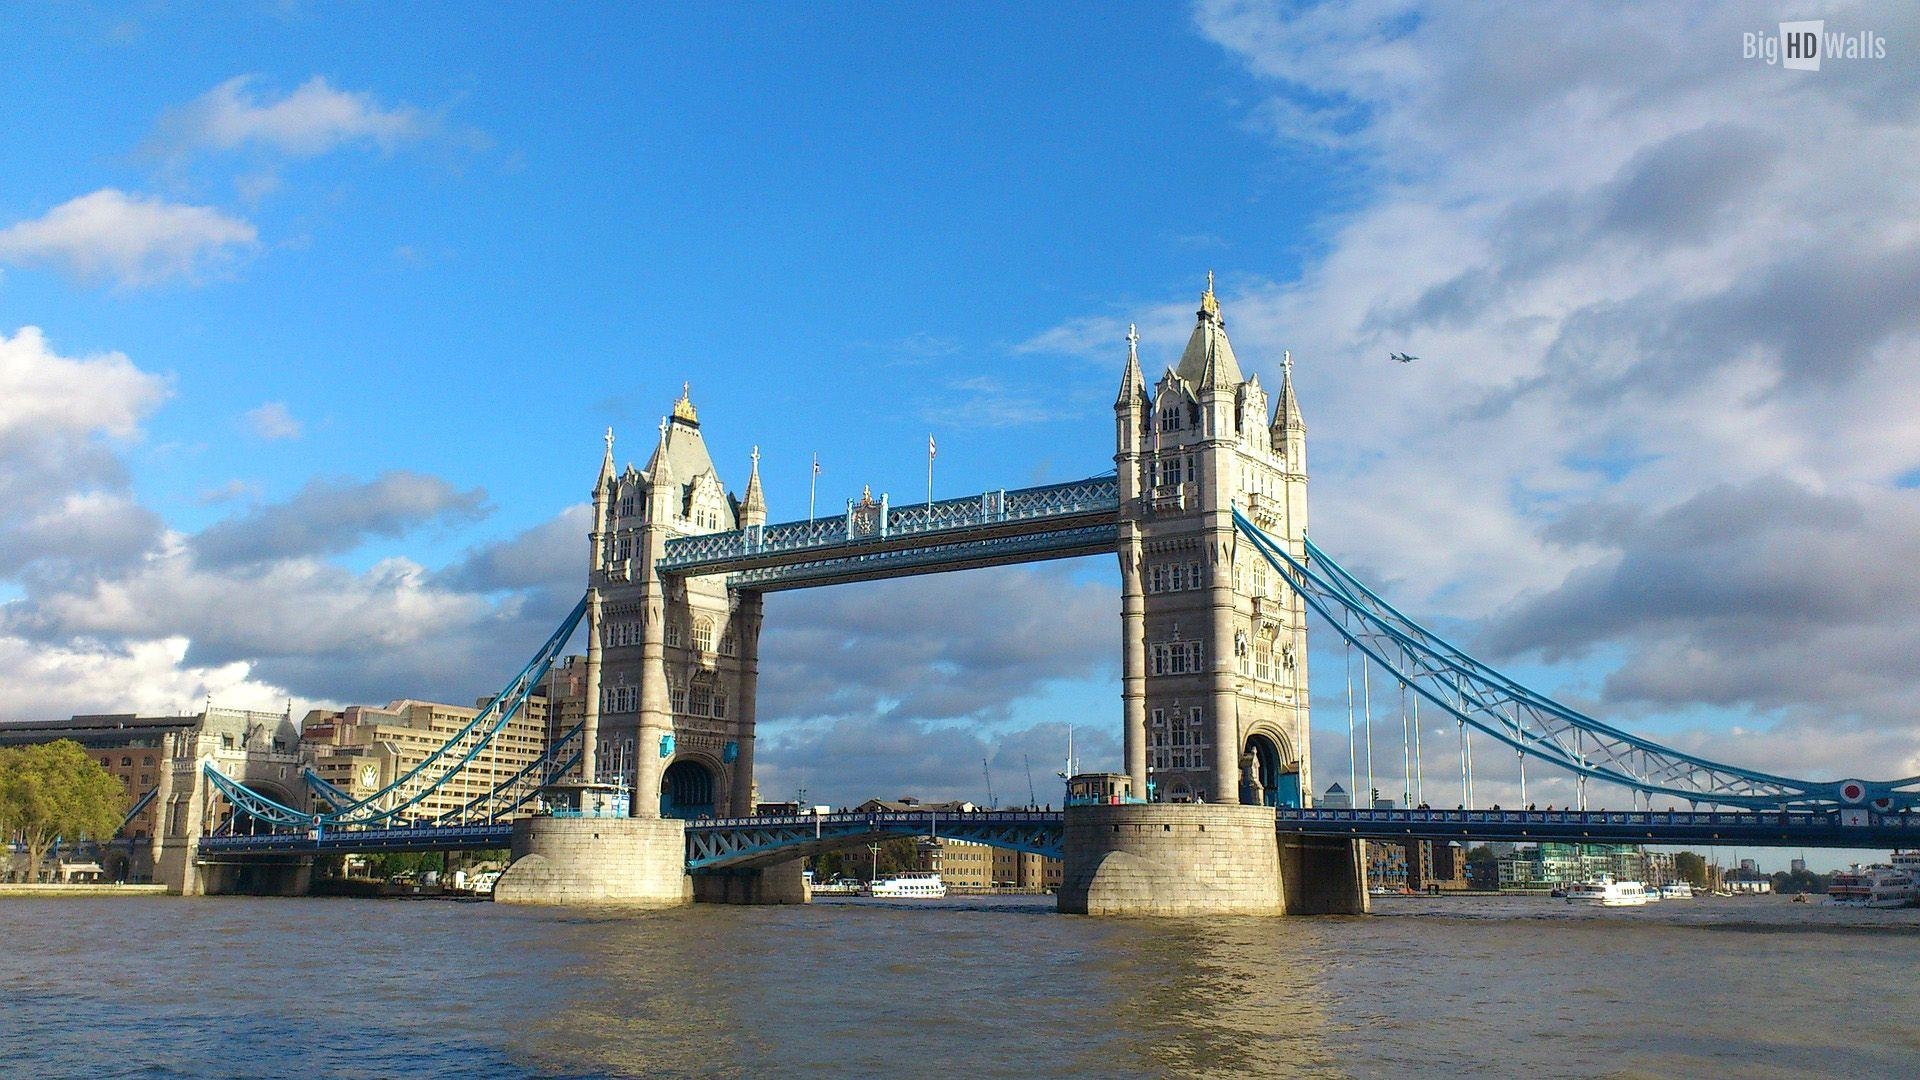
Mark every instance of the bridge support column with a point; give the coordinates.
(1171, 859)
(597, 860)
(1324, 875)
(785, 883)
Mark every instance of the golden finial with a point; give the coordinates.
(1209, 305)
(683, 409)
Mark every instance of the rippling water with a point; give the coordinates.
(1505, 987)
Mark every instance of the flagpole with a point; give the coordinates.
(929, 479)
(813, 483)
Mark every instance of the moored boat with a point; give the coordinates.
(1607, 893)
(916, 884)
(1676, 890)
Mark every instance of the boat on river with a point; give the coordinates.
(1877, 886)
(1607, 892)
(1676, 890)
(912, 884)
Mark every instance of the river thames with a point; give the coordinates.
(157, 987)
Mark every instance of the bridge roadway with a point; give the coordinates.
(739, 843)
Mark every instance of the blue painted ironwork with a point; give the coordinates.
(735, 843)
(1100, 539)
(322, 842)
(870, 529)
(1532, 723)
(522, 787)
(1748, 828)
(423, 779)
(134, 812)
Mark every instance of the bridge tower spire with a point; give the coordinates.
(1131, 417)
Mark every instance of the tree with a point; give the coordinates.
(1692, 868)
(55, 791)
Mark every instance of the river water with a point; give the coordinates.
(155, 987)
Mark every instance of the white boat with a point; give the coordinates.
(1676, 890)
(1607, 893)
(912, 884)
(1876, 886)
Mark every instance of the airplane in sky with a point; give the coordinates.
(1402, 357)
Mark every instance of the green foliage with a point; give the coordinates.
(1480, 853)
(857, 863)
(1691, 866)
(55, 791)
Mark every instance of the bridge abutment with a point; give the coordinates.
(785, 883)
(1186, 859)
(1171, 859)
(597, 860)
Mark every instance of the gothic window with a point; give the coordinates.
(677, 686)
(626, 504)
(1159, 717)
(1176, 658)
(702, 700)
(1262, 658)
(1193, 575)
(728, 647)
(622, 548)
(1170, 418)
(673, 634)
(719, 704)
(1179, 578)
(703, 635)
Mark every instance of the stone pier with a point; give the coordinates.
(1187, 859)
(597, 860)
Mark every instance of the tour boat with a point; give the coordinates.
(1873, 887)
(1676, 890)
(1607, 893)
(911, 884)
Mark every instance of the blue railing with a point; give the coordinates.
(864, 524)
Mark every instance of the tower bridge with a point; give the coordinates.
(648, 799)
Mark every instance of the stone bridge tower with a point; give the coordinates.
(672, 660)
(1214, 670)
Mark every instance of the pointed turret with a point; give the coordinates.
(602, 505)
(753, 508)
(1288, 435)
(1133, 386)
(663, 490)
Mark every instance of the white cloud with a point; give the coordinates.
(51, 681)
(272, 422)
(312, 120)
(110, 234)
(42, 391)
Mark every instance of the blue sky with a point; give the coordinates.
(331, 306)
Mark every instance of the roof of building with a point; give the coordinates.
(1208, 359)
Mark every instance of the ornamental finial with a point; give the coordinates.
(1133, 337)
(683, 409)
(1209, 307)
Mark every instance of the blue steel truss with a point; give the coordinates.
(1532, 723)
(1746, 828)
(134, 811)
(740, 843)
(422, 780)
(878, 540)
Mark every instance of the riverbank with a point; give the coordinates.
(43, 891)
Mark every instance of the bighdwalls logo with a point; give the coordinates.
(1802, 45)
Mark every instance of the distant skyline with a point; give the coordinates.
(311, 320)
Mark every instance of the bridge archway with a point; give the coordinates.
(245, 824)
(687, 790)
(1272, 773)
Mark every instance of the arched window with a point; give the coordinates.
(703, 635)
(673, 634)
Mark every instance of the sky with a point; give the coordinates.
(311, 318)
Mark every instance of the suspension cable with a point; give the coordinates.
(1419, 782)
(1353, 768)
(1366, 706)
(1406, 750)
